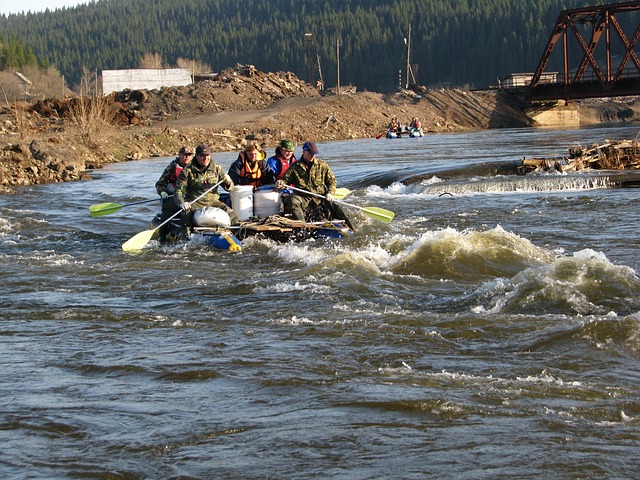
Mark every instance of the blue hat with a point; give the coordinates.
(311, 148)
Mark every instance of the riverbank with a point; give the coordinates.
(49, 141)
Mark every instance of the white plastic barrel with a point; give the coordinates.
(242, 201)
(266, 202)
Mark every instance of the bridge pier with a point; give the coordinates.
(575, 114)
(562, 114)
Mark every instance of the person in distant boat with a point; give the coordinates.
(415, 126)
(281, 161)
(394, 125)
(195, 179)
(313, 175)
(166, 186)
(250, 168)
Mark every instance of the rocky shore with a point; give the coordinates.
(59, 140)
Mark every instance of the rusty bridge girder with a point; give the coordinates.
(605, 80)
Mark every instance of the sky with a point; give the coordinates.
(19, 6)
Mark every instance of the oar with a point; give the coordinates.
(139, 240)
(373, 212)
(379, 135)
(341, 193)
(100, 209)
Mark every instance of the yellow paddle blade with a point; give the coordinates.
(378, 213)
(101, 209)
(341, 193)
(138, 241)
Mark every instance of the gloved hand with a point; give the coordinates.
(164, 196)
(186, 206)
(280, 185)
(227, 179)
(329, 197)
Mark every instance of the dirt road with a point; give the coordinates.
(227, 119)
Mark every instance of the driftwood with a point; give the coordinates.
(612, 155)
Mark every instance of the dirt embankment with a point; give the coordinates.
(42, 142)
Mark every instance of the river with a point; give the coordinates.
(492, 330)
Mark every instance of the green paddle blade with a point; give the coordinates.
(138, 241)
(378, 213)
(341, 193)
(101, 209)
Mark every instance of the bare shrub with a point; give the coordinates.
(92, 114)
(151, 60)
(21, 121)
(47, 83)
(10, 87)
(194, 66)
(42, 83)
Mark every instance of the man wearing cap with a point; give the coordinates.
(281, 161)
(166, 186)
(315, 176)
(250, 168)
(194, 180)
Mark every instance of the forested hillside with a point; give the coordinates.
(14, 54)
(459, 42)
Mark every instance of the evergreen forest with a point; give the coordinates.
(466, 43)
(15, 55)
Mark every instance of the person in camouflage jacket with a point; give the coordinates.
(195, 179)
(314, 175)
(166, 186)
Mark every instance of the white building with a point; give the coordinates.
(519, 80)
(147, 78)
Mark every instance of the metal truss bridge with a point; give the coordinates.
(605, 65)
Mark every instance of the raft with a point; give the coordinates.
(275, 227)
(260, 216)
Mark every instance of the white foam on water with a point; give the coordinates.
(545, 379)
(511, 184)
(301, 253)
(394, 189)
(578, 284)
(282, 287)
(5, 227)
(396, 370)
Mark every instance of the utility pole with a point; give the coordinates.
(338, 64)
(308, 38)
(321, 81)
(408, 55)
(410, 70)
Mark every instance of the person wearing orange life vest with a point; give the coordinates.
(281, 161)
(393, 126)
(166, 186)
(250, 168)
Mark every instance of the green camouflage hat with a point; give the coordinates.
(287, 145)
